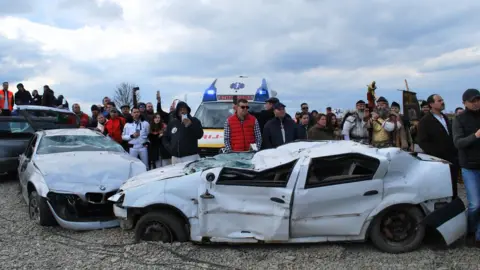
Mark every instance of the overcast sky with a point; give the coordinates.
(317, 51)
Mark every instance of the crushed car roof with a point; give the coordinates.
(284, 154)
(41, 108)
(70, 132)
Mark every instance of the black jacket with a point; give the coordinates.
(263, 117)
(464, 127)
(36, 100)
(272, 135)
(23, 98)
(48, 98)
(434, 139)
(182, 141)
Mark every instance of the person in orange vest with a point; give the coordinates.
(6, 101)
(241, 130)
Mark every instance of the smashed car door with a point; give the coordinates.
(335, 195)
(241, 205)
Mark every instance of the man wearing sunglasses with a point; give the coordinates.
(241, 130)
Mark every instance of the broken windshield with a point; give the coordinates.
(71, 143)
(231, 160)
(214, 114)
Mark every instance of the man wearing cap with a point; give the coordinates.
(267, 114)
(114, 126)
(22, 96)
(434, 136)
(6, 101)
(281, 129)
(356, 124)
(95, 112)
(384, 125)
(241, 130)
(466, 136)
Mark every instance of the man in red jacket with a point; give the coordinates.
(241, 130)
(114, 126)
(84, 119)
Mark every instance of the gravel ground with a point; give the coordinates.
(23, 245)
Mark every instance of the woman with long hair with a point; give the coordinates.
(158, 155)
(334, 127)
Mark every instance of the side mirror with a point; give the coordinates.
(210, 177)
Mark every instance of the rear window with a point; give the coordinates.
(8, 127)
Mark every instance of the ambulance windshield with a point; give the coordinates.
(214, 114)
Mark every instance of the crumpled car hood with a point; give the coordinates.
(87, 170)
(162, 173)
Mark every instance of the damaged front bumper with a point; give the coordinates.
(74, 213)
(450, 221)
(83, 225)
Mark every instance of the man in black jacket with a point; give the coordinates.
(466, 136)
(267, 114)
(22, 97)
(280, 130)
(435, 138)
(182, 135)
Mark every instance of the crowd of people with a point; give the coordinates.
(161, 138)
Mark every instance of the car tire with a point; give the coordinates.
(39, 211)
(397, 220)
(161, 226)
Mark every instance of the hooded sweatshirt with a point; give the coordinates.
(179, 140)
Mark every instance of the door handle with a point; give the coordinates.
(277, 200)
(370, 193)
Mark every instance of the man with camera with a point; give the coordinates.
(182, 135)
(136, 134)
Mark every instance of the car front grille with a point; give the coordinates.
(97, 198)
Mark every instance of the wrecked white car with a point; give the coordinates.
(67, 175)
(302, 192)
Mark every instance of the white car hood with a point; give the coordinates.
(162, 173)
(84, 170)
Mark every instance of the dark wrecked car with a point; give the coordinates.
(66, 176)
(17, 130)
(301, 192)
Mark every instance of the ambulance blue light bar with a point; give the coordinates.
(210, 93)
(262, 93)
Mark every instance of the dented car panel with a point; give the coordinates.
(78, 197)
(222, 206)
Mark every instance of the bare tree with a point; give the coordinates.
(124, 94)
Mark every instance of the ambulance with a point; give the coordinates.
(217, 106)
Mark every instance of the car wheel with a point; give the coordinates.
(398, 229)
(39, 211)
(161, 226)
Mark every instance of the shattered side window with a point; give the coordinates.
(231, 160)
(71, 143)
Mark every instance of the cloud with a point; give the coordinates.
(322, 52)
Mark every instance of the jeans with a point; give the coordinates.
(142, 153)
(471, 180)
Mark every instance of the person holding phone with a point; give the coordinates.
(182, 135)
(136, 134)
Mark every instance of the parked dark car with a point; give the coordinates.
(17, 130)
